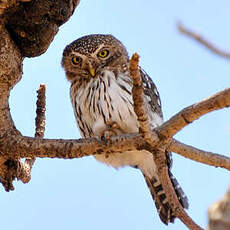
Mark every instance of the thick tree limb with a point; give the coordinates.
(198, 155)
(197, 37)
(17, 146)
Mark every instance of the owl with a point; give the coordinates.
(101, 94)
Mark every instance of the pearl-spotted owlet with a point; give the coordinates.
(101, 94)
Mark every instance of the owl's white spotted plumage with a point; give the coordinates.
(101, 95)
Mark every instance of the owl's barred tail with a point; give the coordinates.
(161, 202)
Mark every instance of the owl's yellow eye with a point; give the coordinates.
(103, 53)
(76, 60)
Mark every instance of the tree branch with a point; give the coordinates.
(17, 146)
(159, 152)
(217, 101)
(197, 37)
(208, 158)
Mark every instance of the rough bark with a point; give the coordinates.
(26, 30)
(219, 214)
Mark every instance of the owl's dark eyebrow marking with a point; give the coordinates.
(112, 58)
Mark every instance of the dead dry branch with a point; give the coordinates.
(203, 41)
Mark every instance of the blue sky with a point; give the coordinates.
(85, 194)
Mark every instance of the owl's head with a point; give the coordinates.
(89, 55)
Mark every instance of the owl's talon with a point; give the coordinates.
(107, 134)
(111, 130)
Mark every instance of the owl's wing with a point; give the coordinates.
(153, 101)
(153, 107)
(151, 94)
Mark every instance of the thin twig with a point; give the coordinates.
(198, 155)
(158, 154)
(197, 37)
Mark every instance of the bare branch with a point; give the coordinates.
(198, 155)
(16, 146)
(217, 101)
(158, 153)
(26, 147)
(197, 37)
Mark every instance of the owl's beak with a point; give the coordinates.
(92, 71)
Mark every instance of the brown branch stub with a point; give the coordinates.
(24, 169)
(139, 107)
(41, 108)
(197, 37)
(208, 158)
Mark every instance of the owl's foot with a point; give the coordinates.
(112, 129)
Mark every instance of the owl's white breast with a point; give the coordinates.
(104, 101)
(108, 98)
